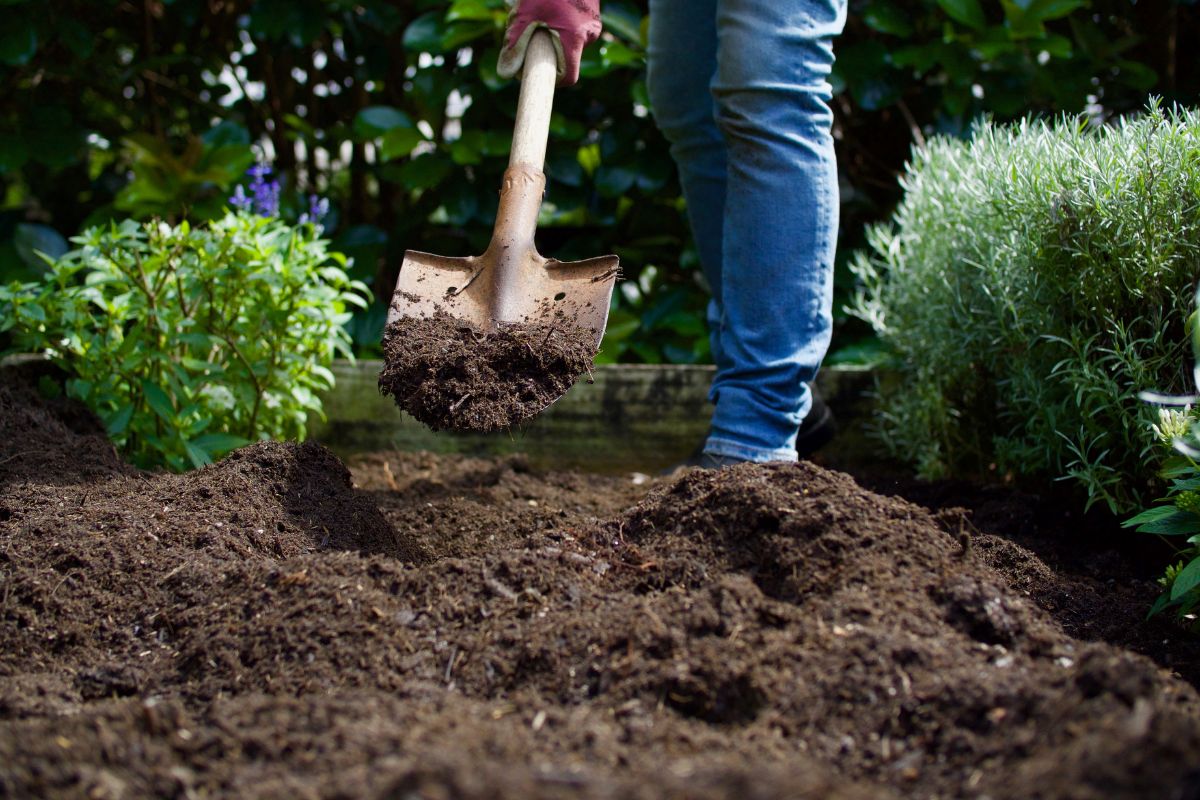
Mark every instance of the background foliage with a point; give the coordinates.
(190, 341)
(1032, 282)
(393, 110)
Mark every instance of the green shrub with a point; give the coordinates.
(1031, 282)
(1177, 515)
(190, 341)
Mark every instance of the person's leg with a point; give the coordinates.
(682, 64)
(780, 219)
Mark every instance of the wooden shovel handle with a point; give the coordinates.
(535, 104)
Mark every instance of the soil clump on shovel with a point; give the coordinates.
(452, 375)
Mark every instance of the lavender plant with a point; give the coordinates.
(1031, 283)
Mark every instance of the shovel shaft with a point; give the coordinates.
(512, 254)
(535, 104)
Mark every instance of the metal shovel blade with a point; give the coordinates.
(482, 292)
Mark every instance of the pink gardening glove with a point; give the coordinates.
(573, 23)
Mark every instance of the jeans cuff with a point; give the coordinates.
(759, 455)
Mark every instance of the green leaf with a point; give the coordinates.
(1165, 521)
(461, 33)
(614, 180)
(31, 240)
(198, 457)
(399, 142)
(967, 12)
(1187, 580)
(622, 19)
(425, 171)
(158, 401)
(1044, 10)
(471, 10)
(118, 421)
(202, 367)
(218, 444)
(375, 121)
(1161, 602)
(468, 149)
(424, 34)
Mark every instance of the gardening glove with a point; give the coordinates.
(573, 25)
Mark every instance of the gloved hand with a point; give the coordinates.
(573, 24)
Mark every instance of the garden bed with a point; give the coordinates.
(443, 626)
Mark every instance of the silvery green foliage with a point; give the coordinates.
(190, 341)
(1033, 280)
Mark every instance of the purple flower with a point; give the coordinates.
(266, 197)
(264, 194)
(239, 200)
(318, 207)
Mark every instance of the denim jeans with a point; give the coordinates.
(740, 90)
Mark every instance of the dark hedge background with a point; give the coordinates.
(393, 111)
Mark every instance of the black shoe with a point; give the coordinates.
(817, 429)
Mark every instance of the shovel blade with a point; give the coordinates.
(489, 292)
(429, 283)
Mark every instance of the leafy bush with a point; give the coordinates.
(1031, 282)
(190, 341)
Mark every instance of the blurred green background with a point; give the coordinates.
(393, 111)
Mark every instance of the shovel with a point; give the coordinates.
(511, 282)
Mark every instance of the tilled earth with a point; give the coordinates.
(443, 627)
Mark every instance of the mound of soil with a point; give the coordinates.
(464, 628)
(452, 375)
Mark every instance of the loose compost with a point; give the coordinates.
(446, 627)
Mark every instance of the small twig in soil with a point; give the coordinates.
(500, 589)
(171, 574)
(17, 455)
(549, 333)
(58, 585)
(461, 400)
(450, 663)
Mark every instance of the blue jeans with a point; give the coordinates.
(739, 89)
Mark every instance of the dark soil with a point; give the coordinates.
(459, 628)
(452, 375)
